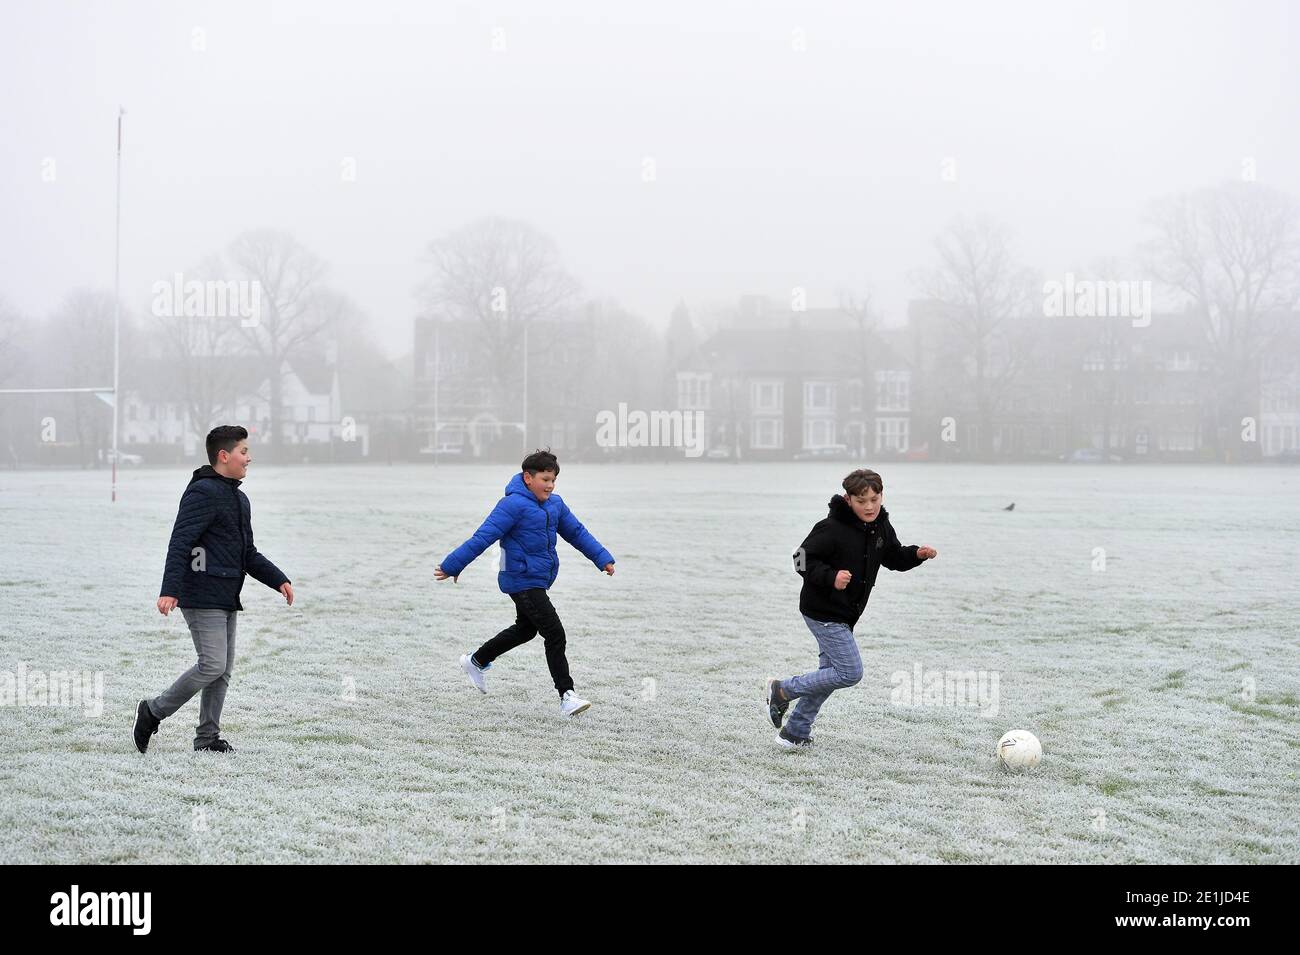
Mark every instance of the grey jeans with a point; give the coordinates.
(213, 632)
(841, 666)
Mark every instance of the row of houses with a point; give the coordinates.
(771, 384)
(765, 384)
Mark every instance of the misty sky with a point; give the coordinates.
(775, 168)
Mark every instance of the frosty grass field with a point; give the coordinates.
(1136, 678)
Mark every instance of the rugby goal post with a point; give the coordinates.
(117, 322)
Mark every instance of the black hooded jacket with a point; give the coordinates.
(214, 515)
(843, 542)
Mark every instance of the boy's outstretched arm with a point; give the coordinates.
(195, 514)
(898, 557)
(571, 530)
(261, 569)
(809, 563)
(495, 527)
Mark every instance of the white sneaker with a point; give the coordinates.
(571, 704)
(785, 740)
(474, 672)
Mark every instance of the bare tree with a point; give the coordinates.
(503, 275)
(982, 292)
(204, 350)
(11, 328)
(291, 316)
(626, 357)
(78, 346)
(1234, 252)
(13, 335)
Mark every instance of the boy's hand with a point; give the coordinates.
(927, 553)
(166, 605)
(440, 574)
(609, 569)
(286, 588)
(842, 579)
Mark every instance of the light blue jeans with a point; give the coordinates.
(841, 666)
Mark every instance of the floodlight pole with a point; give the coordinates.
(437, 382)
(117, 295)
(524, 427)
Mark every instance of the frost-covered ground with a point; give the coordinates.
(1164, 687)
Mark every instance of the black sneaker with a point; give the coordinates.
(146, 724)
(777, 704)
(216, 746)
(788, 740)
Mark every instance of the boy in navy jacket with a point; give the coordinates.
(211, 550)
(526, 522)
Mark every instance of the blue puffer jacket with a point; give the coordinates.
(214, 515)
(527, 528)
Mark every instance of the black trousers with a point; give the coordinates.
(535, 614)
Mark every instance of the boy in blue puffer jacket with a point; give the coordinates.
(526, 522)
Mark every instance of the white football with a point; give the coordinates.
(1019, 751)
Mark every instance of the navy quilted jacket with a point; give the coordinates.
(212, 546)
(527, 529)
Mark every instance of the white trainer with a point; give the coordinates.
(474, 672)
(572, 704)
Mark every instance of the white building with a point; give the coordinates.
(309, 400)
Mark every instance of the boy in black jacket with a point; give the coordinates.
(211, 550)
(838, 562)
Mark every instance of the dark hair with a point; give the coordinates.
(540, 460)
(860, 480)
(224, 438)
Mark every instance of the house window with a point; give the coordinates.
(818, 396)
(767, 433)
(1178, 439)
(692, 391)
(891, 434)
(855, 395)
(893, 391)
(311, 412)
(766, 395)
(818, 432)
